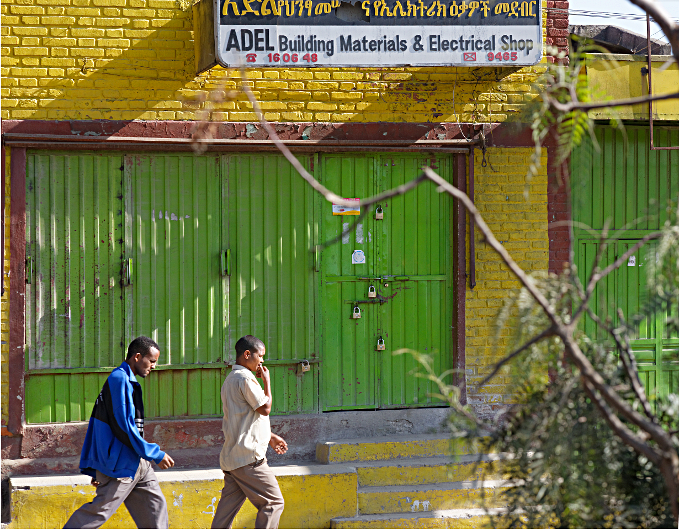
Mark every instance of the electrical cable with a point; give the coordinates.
(599, 14)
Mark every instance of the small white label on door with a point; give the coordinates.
(358, 257)
(632, 261)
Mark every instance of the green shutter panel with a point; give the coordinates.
(272, 289)
(174, 205)
(626, 184)
(74, 306)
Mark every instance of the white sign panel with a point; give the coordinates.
(338, 209)
(307, 33)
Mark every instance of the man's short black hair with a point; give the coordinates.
(141, 345)
(249, 342)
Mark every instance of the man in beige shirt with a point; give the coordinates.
(247, 433)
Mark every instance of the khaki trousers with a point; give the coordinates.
(141, 495)
(256, 483)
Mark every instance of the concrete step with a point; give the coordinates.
(466, 518)
(392, 448)
(445, 496)
(419, 471)
(314, 494)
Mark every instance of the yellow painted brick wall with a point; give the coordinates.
(133, 60)
(519, 223)
(4, 305)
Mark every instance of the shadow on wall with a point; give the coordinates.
(136, 63)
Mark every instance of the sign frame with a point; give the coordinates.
(259, 35)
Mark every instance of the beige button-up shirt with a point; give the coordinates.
(246, 431)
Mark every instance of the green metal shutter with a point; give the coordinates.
(74, 306)
(408, 261)
(349, 363)
(628, 185)
(413, 242)
(174, 234)
(273, 293)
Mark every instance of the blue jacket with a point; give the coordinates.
(115, 443)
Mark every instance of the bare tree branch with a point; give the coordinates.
(315, 184)
(619, 428)
(546, 333)
(664, 20)
(598, 276)
(595, 268)
(667, 461)
(630, 365)
(494, 243)
(612, 398)
(577, 105)
(348, 230)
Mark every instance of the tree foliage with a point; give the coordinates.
(569, 468)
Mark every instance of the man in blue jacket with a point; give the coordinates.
(115, 453)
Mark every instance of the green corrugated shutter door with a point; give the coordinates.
(349, 361)
(413, 242)
(74, 307)
(174, 216)
(174, 234)
(408, 261)
(628, 185)
(273, 292)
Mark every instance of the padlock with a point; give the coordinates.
(379, 214)
(303, 366)
(357, 312)
(380, 344)
(372, 293)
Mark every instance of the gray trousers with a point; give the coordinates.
(258, 484)
(141, 495)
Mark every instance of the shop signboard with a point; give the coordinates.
(331, 33)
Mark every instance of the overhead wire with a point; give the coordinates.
(600, 14)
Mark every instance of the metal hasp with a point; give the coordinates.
(372, 293)
(356, 313)
(380, 344)
(379, 213)
(303, 366)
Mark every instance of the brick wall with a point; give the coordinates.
(133, 60)
(557, 26)
(520, 224)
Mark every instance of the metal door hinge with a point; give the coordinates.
(225, 257)
(29, 269)
(128, 271)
